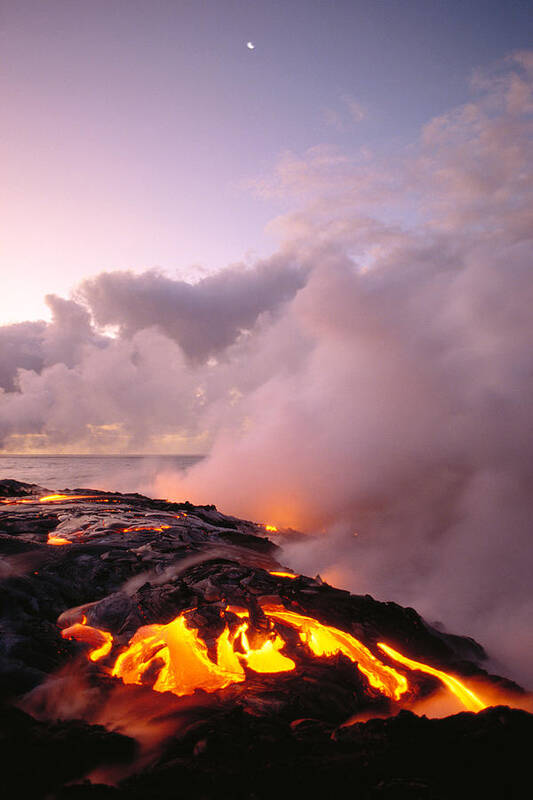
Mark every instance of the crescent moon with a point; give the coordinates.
(250, 45)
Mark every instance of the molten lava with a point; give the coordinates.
(181, 661)
(284, 574)
(271, 528)
(101, 641)
(324, 640)
(266, 658)
(18, 501)
(135, 528)
(173, 657)
(470, 700)
(59, 540)
(55, 498)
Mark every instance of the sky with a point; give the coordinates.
(134, 134)
(311, 261)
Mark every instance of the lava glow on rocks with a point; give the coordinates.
(57, 498)
(174, 658)
(281, 574)
(467, 697)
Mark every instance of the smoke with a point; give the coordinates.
(404, 428)
(369, 383)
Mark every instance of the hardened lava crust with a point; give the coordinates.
(153, 649)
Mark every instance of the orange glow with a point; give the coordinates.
(59, 540)
(267, 658)
(54, 498)
(470, 700)
(182, 658)
(144, 528)
(271, 528)
(284, 574)
(101, 641)
(324, 640)
(183, 662)
(173, 657)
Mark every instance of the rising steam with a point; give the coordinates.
(372, 381)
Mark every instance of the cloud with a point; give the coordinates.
(347, 112)
(21, 347)
(68, 385)
(203, 318)
(36, 345)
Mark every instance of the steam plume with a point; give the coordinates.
(372, 378)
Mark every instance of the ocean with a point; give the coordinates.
(116, 473)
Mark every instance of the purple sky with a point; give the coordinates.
(133, 132)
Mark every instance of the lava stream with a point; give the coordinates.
(324, 640)
(470, 700)
(174, 658)
(56, 498)
(101, 641)
(284, 574)
(182, 661)
(57, 540)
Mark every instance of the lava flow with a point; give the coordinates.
(280, 574)
(101, 641)
(174, 658)
(467, 697)
(56, 498)
(61, 540)
(178, 656)
(57, 540)
(324, 640)
(135, 528)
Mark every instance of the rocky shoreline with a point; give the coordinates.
(85, 567)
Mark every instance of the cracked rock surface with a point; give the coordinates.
(120, 562)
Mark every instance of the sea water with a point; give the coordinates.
(115, 473)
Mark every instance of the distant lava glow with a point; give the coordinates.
(57, 540)
(283, 574)
(56, 498)
(136, 528)
(60, 540)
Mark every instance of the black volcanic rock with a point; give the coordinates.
(11, 488)
(240, 756)
(121, 562)
(38, 757)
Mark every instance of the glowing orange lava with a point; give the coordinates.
(284, 574)
(135, 528)
(467, 697)
(324, 640)
(59, 540)
(173, 657)
(271, 528)
(101, 641)
(55, 498)
(182, 663)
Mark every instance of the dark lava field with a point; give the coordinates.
(152, 649)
